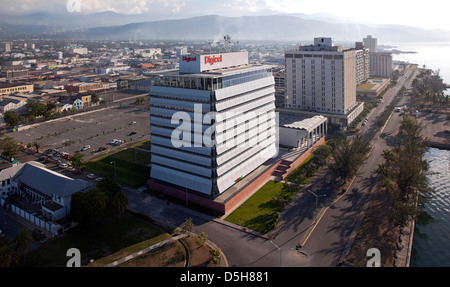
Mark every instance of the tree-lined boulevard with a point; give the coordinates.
(324, 244)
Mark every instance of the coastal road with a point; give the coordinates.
(326, 243)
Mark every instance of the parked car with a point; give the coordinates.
(99, 178)
(132, 123)
(77, 171)
(116, 142)
(86, 147)
(39, 235)
(91, 176)
(63, 165)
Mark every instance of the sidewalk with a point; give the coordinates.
(143, 251)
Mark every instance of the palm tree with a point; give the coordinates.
(22, 240)
(7, 256)
(119, 203)
(37, 145)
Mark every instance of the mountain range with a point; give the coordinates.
(290, 27)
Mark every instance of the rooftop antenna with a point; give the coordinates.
(227, 39)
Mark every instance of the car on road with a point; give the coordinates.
(116, 142)
(39, 235)
(132, 123)
(102, 148)
(91, 176)
(132, 133)
(86, 147)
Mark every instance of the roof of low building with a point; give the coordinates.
(48, 182)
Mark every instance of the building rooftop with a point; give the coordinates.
(297, 121)
(36, 176)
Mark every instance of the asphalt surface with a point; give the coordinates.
(94, 128)
(323, 247)
(327, 242)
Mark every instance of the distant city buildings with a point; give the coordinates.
(371, 43)
(362, 63)
(5, 47)
(381, 63)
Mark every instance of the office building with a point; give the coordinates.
(381, 64)
(321, 79)
(371, 43)
(362, 63)
(5, 47)
(212, 123)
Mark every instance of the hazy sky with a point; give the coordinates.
(427, 14)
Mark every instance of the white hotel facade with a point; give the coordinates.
(322, 79)
(212, 122)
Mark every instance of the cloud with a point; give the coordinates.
(93, 6)
(413, 12)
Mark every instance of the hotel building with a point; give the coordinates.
(381, 64)
(212, 122)
(321, 79)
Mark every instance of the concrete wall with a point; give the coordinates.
(225, 207)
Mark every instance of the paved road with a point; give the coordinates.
(330, 237)
(95, 128)
(323, 247)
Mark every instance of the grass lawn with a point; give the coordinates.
(258, 212)
(131, 166)
(99, 242)
(144, 145)
(292, 176)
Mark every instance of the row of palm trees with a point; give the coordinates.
(429, 90)
(10, 253)
(404, 173)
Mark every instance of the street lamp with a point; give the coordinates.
(115, 175)
(281, 250)
(317, 196)
(281, 253)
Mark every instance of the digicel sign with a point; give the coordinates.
(189, 59)
(212, 60)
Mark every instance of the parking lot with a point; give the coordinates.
(128, 123)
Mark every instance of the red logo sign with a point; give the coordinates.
(189, 59)
(212, 60)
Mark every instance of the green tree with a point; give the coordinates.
(94, 96)
(11, 118)
(37, 145)
(403, 175)
(9, 147)
(22, 242)
(349, 155)
(7, 256)
(77, 160)
(188, 226)
(36, 108)
(201, 238)
(216, 261)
